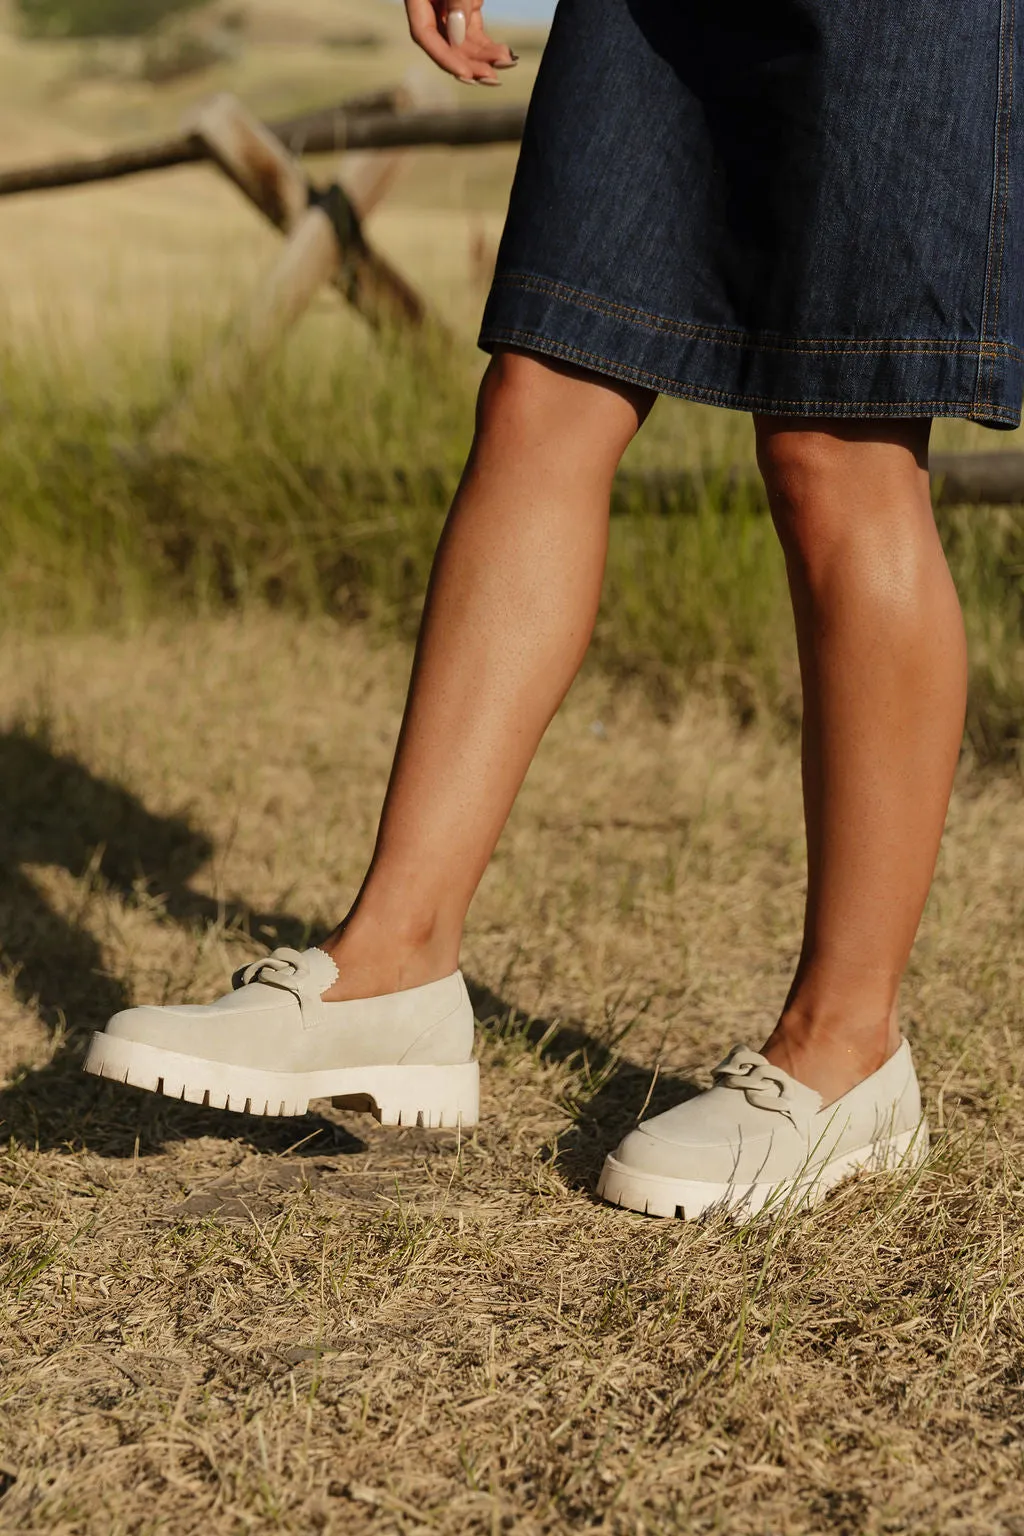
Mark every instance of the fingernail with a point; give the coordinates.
(466, 80)
(510, 65)
(488, 82)
(455, 26)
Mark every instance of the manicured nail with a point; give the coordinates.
(455, 26)
(466, 80)
(510, 65)
(488, 82)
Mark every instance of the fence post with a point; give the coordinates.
(259, 164)
(324, 243)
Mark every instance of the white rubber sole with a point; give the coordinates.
(654, 1195)
(396, 1095)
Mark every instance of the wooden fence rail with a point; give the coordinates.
(958, 480)
(326, 244)
(368, 123)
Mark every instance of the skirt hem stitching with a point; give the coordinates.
(904, 346)
(709, 394)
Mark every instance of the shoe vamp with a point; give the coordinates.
(253, 1023)
(261, 1027)
(718, 1117)
(719, 1138)
(255, 999)
(743, 1160)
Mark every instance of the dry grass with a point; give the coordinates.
(219, 1325)
(222, 1325)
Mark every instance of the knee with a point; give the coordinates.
(518, 386)
(531, 399)
(852, 496)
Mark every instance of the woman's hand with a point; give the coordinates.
(452, 32)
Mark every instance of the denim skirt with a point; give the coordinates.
(796, 207)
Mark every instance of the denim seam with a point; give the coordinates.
(985, 379)
(631, 373)
(903, 346)
(1006, 175)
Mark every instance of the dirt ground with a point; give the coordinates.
(219, 1324)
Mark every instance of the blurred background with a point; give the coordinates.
(320, 486)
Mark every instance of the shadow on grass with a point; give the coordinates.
(56, 812)
(613, 1089)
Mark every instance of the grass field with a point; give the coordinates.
(215, 1324)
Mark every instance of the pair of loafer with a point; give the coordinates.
(756, 1140)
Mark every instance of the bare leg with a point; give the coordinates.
(509, 613)
(883, 665)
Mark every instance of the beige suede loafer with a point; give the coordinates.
(760, 1141)
(272, 1044)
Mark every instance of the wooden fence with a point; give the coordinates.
(325, 241)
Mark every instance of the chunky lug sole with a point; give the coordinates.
(654, 1195)
(396, 1095)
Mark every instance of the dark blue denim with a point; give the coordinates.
(807, 207)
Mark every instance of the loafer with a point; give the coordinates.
(272, 1044)
(759, 1141)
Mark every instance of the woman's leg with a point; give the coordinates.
(509, 611)
(883, 665)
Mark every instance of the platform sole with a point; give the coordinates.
(654, 1195)
(430, 1096)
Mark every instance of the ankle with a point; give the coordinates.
(375, 958)
(832, 1053)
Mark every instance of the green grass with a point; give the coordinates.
(324, 489)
